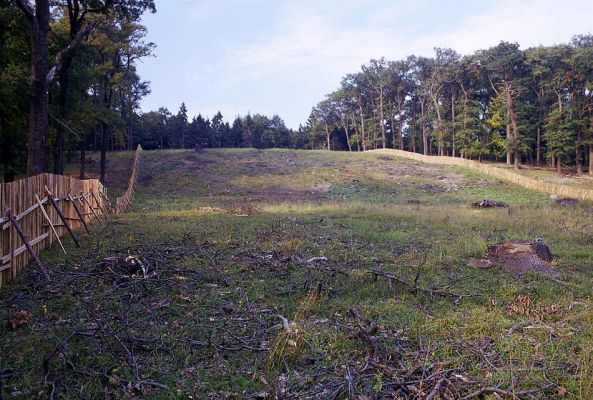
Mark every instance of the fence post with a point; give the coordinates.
(62, 217)
(25, 240)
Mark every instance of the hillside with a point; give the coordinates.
(307, 274)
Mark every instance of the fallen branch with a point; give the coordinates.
(415, 289)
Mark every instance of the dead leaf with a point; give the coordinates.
(561, 391)
(20, 318)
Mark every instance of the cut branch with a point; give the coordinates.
(413, 288)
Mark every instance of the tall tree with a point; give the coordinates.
(377, 76)
(505, 69)
(400, 85)
(37, 144)
(79, 14)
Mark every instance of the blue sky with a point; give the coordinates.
(282, 56)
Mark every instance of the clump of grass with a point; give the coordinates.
(293, 334)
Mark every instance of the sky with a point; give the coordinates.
(283, 56)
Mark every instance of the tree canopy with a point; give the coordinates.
(528, 106)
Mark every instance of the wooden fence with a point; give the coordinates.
(500, 173)
(36, 211)
(124, 203)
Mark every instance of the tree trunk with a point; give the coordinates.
(375, 137)
(439, 122)
(400, 127)
(392, 114)
(591, 159)
(453, 150)
(413, 129)
(559, 166)
(424, 134)
(517, 160)
(538, 146)
(578, 152)
(104, 143)
(509, 154)
(362, 124)
(130, 133)
(63, 115)
(37, 146)
(82, 156)
(327, 135)
(345, 124)
(381, 113)
(579, 160)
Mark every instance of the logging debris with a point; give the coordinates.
(489, 203)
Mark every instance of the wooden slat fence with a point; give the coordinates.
(124, 203)
(21, 198)
(499, 173)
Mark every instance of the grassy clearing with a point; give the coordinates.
(230, 235)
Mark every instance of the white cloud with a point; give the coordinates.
(530, 23)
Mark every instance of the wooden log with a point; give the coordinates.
(79, 213)
(50, 223)
(25, 240)
(62, 217)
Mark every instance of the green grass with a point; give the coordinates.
(245, 221)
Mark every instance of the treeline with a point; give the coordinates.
(163, 130)
(503, 103)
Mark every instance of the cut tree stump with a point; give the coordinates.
(519, 256)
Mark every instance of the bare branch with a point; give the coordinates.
(59, 60)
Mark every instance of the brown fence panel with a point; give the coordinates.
(490, 170)
(20, 197)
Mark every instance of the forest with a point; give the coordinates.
(502, 103)
(85, 94)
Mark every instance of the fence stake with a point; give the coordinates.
(25, 240)
(99, 204)
(104, 196)
(79, 213)
(50, 223)
(83, 207)
(62, 217)
(91, 207)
